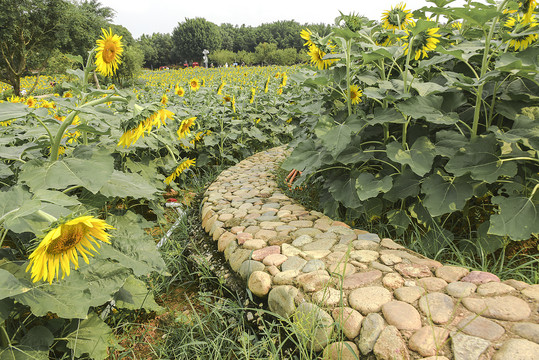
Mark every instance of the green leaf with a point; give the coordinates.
(419, 157)
(92, 337)
(353, 153)
(122, 185)
(343, 188)
(324, 125)
(134, 295)
(9, 285)
(478, 15)
(399, 219)
(521, 60)
(426, 88)
(405, 185)
(449, 142)
(442, 197)
(9, 110)
(488, 242)
(367, 186)
(428, 108)
(23, 353)
(517, 217)
(387, 115)
(336, 139)
(14, 152)
(55, 197)
(104, 278)
(306, 157)
(38, 338)
(6, 306)
(479, 159)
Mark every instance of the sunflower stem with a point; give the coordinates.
(4, 233)
(4, 338)
(348, 64)
(58, 138)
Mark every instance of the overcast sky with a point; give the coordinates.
(147, 16)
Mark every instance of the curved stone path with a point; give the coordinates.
(390, 303)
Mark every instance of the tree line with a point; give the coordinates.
(45, 36)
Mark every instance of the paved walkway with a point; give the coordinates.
(388, 301)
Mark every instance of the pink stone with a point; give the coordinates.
(361, 279)
(260, 254)
(480, 277)
(275, 259)
(413, 270)
(243, 237)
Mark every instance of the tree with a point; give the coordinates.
(131, 66)
(157, 49)
(28, 31)
(192, 36)
(262, 52)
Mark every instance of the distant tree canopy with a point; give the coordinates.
(191, 37)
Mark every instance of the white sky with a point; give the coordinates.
(147, 16)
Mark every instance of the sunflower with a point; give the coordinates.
(185, 127)
(132, 135)
(518, 25)
(31, 101)
(186, 164)
(355, 94)
(317, 57)
(195, 84)
(178, 90)
(285, 77)
(109, 52)
(425, 41)
(164, 99)
(220, 89)
(528, 7)
(67, 94)
(382, 39)
(306, 35)
(226, 99)
(252, 99)
(396, 18)
(266, 87)
(59, 247)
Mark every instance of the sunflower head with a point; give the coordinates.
(194, 83)
(518, 25)
(527, 7)
(306, 35)
(63, 244)
(355, 94)
(422, 42)
(397, 18)
(164, 99)
(317, 57)
(178, 90)
(108, 53)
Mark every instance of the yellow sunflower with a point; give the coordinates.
(425, 41)
(186, 164)
(220, 89)
(195, 84)
(355, 94)
(252, 99)
(109, 52)
(164, 99)
(61, 247)
(317, 57)
(396, 18)
(266, 87)
(306, 35)
(185, 127)
(528, 7)
(132, 135)
(518, 25)
(31, 101)
(178, 90)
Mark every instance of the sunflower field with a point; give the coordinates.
(428, 121)
(83, 177)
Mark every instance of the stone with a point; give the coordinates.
(432, 283)
(435, 358)
(507, 307)
(314, 281)
(327, 297)
(437, 306)
(289, 250)
(272, 269)
(259, 283)
(428, 340)
(390, 244)
(312, 232)
(371, 327)
(494, 288)
(243, 237)
(369, 237)
(365, 245)
(401, 315)
(377, 266)
(346, 350)
(313, 265)
(393, 281)
(301, 223)
(265, 234)
(248, 267)
(365, 256)
(279, 239)
(225, 217)
(225, 239)
(316, 254)
(338, 257)
(302, 240)
(285, 277)
(413, 270)
(480, 277)
(528, 331)
(281, 300)
(451, 273)
(519, 349)
(262, 253)
(467, 347)
(517, 284)
(238, 257)
(479, 326)
(255, 244)
(390, 259)
(532, 292)
(237, 229)
(349, 319)
(460, 289)
(341, 269)
(293, 263)
(319, 245)
(369, 299)
(409, 294)
(390, 345)
(318, 324)
(274, 259)
(361, 279)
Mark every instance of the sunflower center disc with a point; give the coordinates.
(70, 237)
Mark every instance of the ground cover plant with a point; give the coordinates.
(429, 123)
(83, 176)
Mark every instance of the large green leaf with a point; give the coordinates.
(10, 285)
(343, 188)
(426, 88)
(522, 60)
(444, 196)
(9, 110)
(405, 185)
(90, 170)
(23, 353)
(123, 185)
(92, 337)
(104, 278)
(39, 338)
(480, 159)
(449, 142)
(336, 139)
(20, 213)
(307, 156)
(517, 217)
(353, 153)
(369, 186)
(55, 197)
(134, 295)
(14, 152)
(419, 157)
(428, 108)
(388, 115)
(399, 219)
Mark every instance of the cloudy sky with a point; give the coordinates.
(147, 16)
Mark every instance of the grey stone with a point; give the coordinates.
(519, 349)
(319, 245)
(281, 300)
(285, 277)
(481, 327)
(302, 240)
(467, 347)
(313, 265)
(390, 345)
(377, 266)
(371, 327)
(238, 257)
(507, 307)
(494, 288)
(528, 331)
(315, 323)
(370, 237)
(437, 306)
(460, 289)
(248, 267)
(293, 263)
